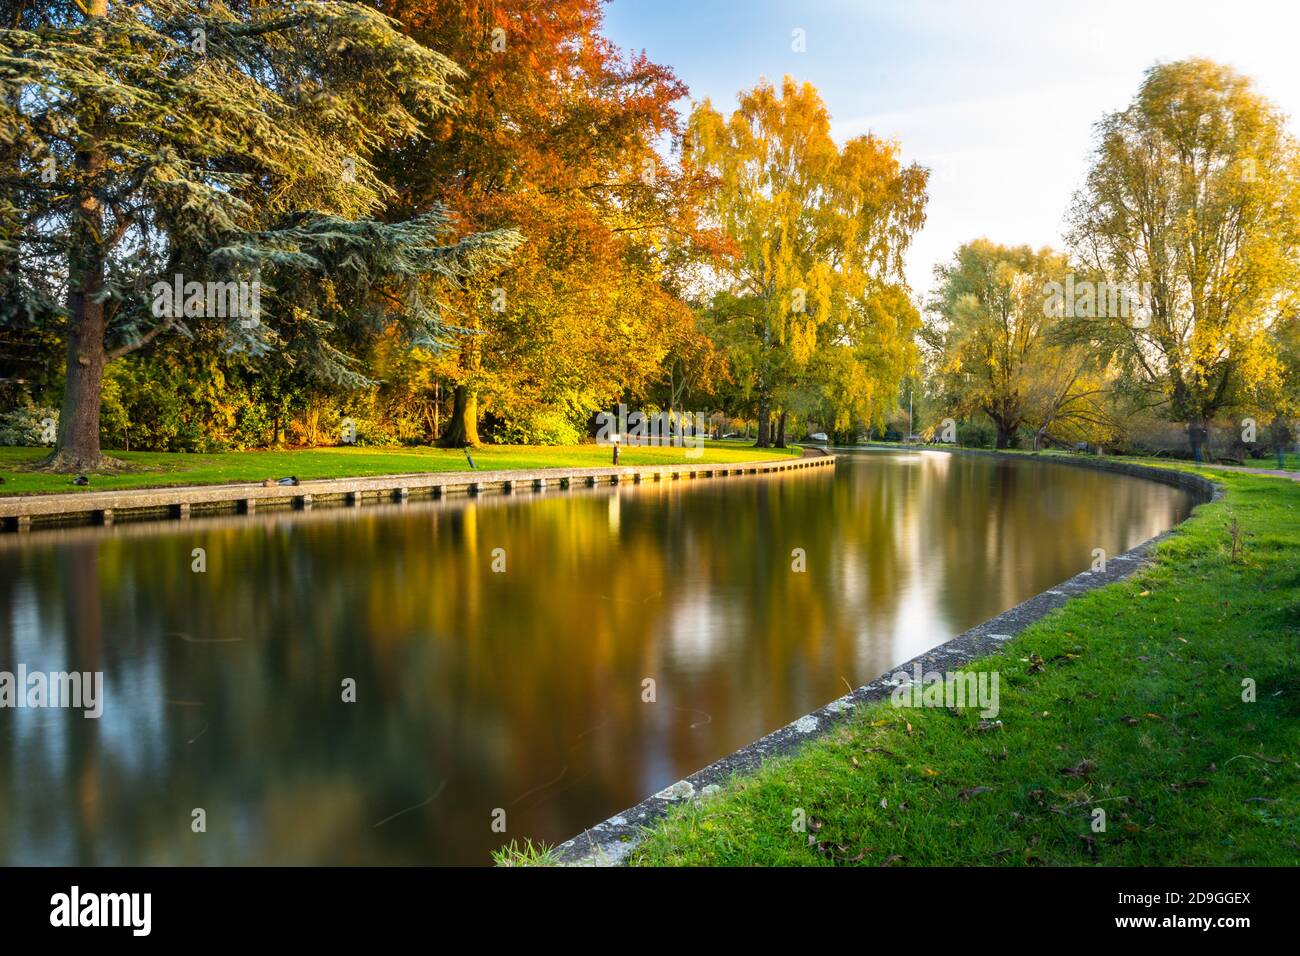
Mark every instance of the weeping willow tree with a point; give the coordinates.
(186, 145)
(819, 233)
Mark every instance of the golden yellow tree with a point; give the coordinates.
(992, 336)
(1193, 204)
(818, 232)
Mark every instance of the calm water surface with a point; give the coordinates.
(477, 690)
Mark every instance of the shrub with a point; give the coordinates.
(976, 434)
(31, 426)
(545, 427)
(374, 432)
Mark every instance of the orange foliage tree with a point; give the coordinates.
(561, 136)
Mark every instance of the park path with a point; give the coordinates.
(1273, 472)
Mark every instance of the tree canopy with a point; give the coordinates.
(560, 135)
(239, 223)
(814, 283)
(1193, 200)
(174, 137)
(997, 347)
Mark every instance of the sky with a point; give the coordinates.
(997, 97)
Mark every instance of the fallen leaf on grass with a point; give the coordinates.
(890, 860)
(839, 852)
(969, 792)
(1081, 769)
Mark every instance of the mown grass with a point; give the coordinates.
(1128, 699)
(162, 469)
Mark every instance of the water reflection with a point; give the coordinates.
(477, 691)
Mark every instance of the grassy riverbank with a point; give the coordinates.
(1129, 699)
(160, 469)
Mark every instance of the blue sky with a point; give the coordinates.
(997, 98)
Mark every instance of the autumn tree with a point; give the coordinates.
(996, 345)
(222, 142)
(868, 350)
(1068, 394)
(818, 231)
(1193, 203)
(558, 135)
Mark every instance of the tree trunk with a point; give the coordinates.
(462, 426)
(77, 446)
(780, 433)
(764, 423)
(1005, 432)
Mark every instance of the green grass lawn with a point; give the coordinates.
(1128, 699)
(161, 469)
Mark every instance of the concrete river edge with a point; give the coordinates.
(20, 513)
